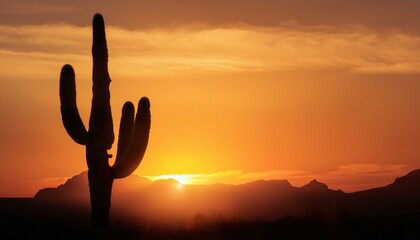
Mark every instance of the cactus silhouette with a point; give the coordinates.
(133, 134)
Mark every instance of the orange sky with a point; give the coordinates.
(235, 97)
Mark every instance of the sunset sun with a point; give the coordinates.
(181, 178)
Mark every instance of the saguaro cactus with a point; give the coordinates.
(133, 134)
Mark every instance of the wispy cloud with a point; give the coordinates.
(145, 13)
(204, 49)
(355, 177)
(349, 178)
(228, 177)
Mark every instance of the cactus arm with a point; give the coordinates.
(137, 148)
(69, 113)
(100, 122)
(133, 134)
(126, 130)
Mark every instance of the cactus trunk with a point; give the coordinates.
(100, 186)
(134, 134)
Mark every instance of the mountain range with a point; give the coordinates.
(266, 200)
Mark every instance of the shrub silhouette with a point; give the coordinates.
(133, 134)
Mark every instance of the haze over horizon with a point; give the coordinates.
(166, 200)
(239, 91)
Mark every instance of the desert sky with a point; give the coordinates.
(240, 90)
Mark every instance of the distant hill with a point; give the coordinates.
(163, 199)
(401, 196)
(142, 209)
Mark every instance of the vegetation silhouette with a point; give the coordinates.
(389, 212)
(133, 134)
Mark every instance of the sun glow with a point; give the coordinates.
(181, 178)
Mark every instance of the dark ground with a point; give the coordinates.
(28, 219)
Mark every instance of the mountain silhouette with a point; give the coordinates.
(264, 209)
(400, 197)
(261, 199)
(315, 186)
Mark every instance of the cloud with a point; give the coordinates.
(199, 48)
(228, 177)
(357, 170)
(136, 14)
(349, 178)
(218, 177)
(355, 177)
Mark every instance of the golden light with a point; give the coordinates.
(181, 178)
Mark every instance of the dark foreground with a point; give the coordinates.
(29, 219)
